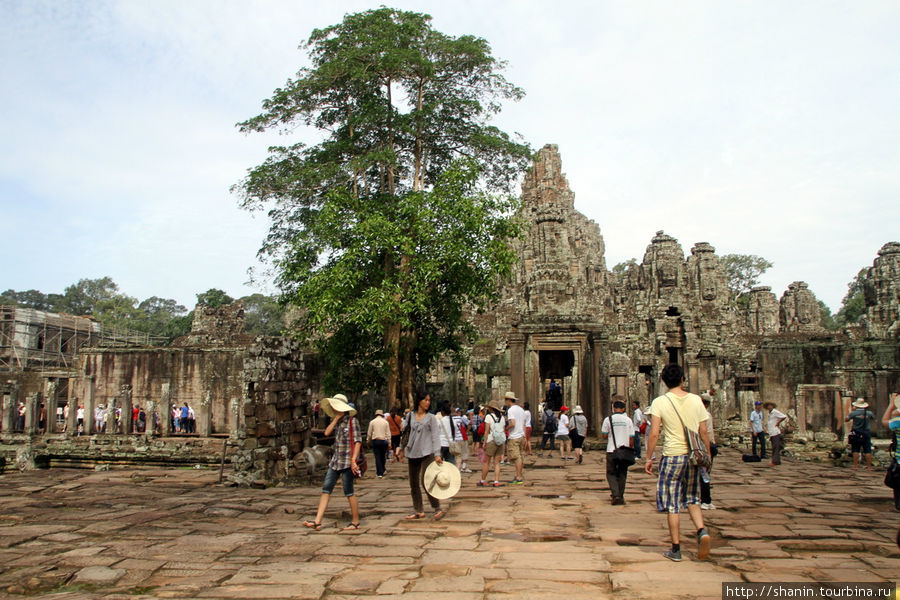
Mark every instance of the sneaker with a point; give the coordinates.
(516, 482)
(540, 455)
(482, 483)
(467, 471)
(498, 484)
(673, 555)
(709, 506)
(703, 540)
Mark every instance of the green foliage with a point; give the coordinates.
(396, 221)
(828, 321)
(743, 271)
(853, 306)
(622, 267)
(263, 315)
(214, 298)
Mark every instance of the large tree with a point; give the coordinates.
(385, 231)
(853, 306)
(743, 272)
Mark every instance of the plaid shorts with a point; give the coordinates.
(678, 484)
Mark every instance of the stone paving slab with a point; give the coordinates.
(175, 533)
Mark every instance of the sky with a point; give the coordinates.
(761, 127)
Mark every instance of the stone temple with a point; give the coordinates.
(563, 316)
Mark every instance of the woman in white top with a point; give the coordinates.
(528, 426)
(446, 429)
(562, 434)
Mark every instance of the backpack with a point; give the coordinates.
(498, 432)
(550, 423)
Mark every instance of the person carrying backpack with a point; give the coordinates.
(495, 440)
(549, 430)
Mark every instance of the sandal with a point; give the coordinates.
(351, 526)
(313, 525)
(439, 515)
(414, 516)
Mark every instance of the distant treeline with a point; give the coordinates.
(102, 300)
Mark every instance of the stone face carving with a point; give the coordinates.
(763, 311)
(881, 287)
(800, 309)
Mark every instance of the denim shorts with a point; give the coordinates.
(331, 478)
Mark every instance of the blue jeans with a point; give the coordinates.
(331, 478)
(380, 448)
(637, 445)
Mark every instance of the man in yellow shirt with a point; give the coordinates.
(678, 485)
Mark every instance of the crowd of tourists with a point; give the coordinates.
(675, 433)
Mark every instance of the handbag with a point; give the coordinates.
(361, 462)
(455, 445)
(892, 477)
(623, 455)
(698, 455)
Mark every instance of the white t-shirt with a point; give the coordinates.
(772, 428)
(637, 418)
(516, 416)
(527, 418)
(624, 430)
(446, 429)
(562, 427)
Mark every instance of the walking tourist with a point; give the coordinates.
(562, 433)
(549, 430)
(705, 481)
(447, 431)
(860, 434)
(757, 433)
(578, 433)
(619, 432)
(515, 444)
(891, 420)
(678, 484)
(379, 435)
(461, 439)
(395, 421)
(640, 426)
(347, 446)
(528, 428)
(776, 437)
(422, 447)
(494, 442)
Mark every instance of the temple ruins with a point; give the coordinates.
(563, 316)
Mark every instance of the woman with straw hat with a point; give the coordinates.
(347, 446)
(422, 447)
(860, 438)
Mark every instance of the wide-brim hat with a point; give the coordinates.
(379, 413)
(337, 404)
(578, 410)
(897, 402)
(860, 403)
(442, 480)
(510, 396)
(495, 405)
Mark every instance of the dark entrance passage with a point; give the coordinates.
(555, 368)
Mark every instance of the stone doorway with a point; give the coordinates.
(556, 366)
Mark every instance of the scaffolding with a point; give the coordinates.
(41, 341)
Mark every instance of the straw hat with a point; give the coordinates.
(442, 480)
(510, 396)
(897, 402)
(860, 403)
(495, 405)
(379, 413)
(338, 404)
(578, 410)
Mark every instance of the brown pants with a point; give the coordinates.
(417, 468)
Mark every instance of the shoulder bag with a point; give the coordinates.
(622, 455)
(698, 455)
(361, 461)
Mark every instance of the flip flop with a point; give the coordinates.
(313, 525)
(439, 515)
(414, 516)
(351, 526)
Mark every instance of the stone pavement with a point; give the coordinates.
(152, 533)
